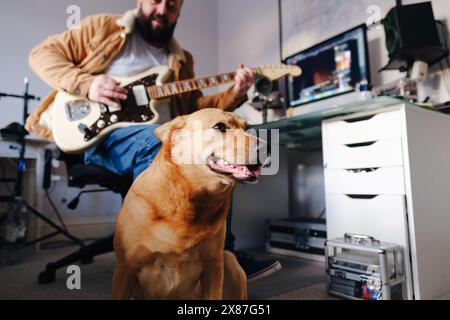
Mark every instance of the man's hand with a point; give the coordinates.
(106, 90)
(244, 80)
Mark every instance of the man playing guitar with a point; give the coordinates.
(82, 62)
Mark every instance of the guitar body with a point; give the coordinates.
(78, 124)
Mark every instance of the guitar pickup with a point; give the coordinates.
(140, 95)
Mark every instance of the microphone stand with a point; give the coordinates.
(17, 198)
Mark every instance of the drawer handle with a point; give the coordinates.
(360, 118)
(362, 196)
(361, 144)
(367, 170)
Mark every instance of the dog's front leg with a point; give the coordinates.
(212, 279)
(124, 283)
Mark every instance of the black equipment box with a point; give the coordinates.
(362, 268)
(299, 237)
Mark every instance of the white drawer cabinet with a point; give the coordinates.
(368, 216)
(364, 128)
(387, 175)
(374, 181)
(371, 154)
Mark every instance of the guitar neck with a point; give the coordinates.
(177, 87)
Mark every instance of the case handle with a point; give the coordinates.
(359, 238)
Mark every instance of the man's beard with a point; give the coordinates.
(156, 37)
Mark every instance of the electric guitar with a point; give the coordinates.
(77, 123)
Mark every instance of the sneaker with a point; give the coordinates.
(256, 269)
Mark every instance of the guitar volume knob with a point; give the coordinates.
(101, 124)
(114, 118)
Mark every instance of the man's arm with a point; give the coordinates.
(56, 59)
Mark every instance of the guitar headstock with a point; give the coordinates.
(274, 72)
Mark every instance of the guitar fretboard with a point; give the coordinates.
(177, 87)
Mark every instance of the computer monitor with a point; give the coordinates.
(333, 67)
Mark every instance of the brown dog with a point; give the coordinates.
(170, 232)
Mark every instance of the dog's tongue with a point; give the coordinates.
(238, 171)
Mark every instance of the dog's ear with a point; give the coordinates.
(243, 124)
(163, 132)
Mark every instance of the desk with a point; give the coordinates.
(386, 173)
(35, 151)
(302, 130)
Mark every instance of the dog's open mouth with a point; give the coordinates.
(241, 173)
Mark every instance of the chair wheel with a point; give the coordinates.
(47, 276)
(87, 260)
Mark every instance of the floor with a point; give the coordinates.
(298, 279)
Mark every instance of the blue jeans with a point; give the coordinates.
(129, 151)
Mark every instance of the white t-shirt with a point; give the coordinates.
(138, 56)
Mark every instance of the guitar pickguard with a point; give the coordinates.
(135, 109)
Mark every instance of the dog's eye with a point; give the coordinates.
(222, 127)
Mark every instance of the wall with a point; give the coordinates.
(25, 23)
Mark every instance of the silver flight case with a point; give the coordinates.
(362, 268)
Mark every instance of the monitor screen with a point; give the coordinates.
(336, 66)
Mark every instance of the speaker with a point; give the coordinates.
(263, 85)
(411, 35)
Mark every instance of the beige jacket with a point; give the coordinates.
(70, 61)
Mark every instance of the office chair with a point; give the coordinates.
(81, 175)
